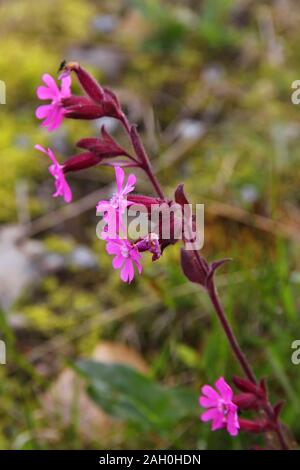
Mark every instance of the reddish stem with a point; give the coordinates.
(211, 289)
(212, 292)
(142, 156)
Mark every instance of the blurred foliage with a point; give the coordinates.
(220, 71)
(126, 394)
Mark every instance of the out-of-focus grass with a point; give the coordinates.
(228, 65)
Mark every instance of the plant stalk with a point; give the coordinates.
(243, 361)
(213, 295)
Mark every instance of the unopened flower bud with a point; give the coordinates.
(146, 201)
(81, 107)
(88, 83)
(246, 386)
(106, 147)
(256, 426)
(102, 97)
(81, 162)
(246, 401)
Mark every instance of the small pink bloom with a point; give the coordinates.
(126, 256)
(119, 201)
(221, 409)
(116, 206)
(53, 112)
(56, 170)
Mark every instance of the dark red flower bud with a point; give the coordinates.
(102, 97)
(78, 101)
(246, 386)
(88, 83)
(81, 162)
(246, 401)
(89, 143)
(106, 147)
(180, 196)
(79, 107)
(87, 109)
(111, 104)
(146, 201)
(256, 426)
(192, 269)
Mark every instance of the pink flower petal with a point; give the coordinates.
(130, 184)
(52, 157)
(224, 389)
(67, 192)
(125, 273)
(102, 206)
(218, 422)
(232, 423)
(66, 86)
(139, 266)
(51, 84)
(61, 186)
(209, 415)
(118, 262)
(44, 93)
(40, 148)
(119, 178)
(55, 119)
(208, 402)
(52, 113)
(51, 116)
(112, 248)
(210, 392)
(43, 111)
(130, 270)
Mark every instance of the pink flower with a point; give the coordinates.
(116, 206)
(221, 409)
(126, 256)
(56, 170)
(52, 113)
(119, 201)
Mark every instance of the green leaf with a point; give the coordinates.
(128, 395)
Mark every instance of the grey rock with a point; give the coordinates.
(19, 264)
(83, 257)
(24, 263)
(104, 23)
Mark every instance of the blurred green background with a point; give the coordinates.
(209, 84)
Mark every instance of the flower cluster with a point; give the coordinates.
(104, 150)
(222, 407)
